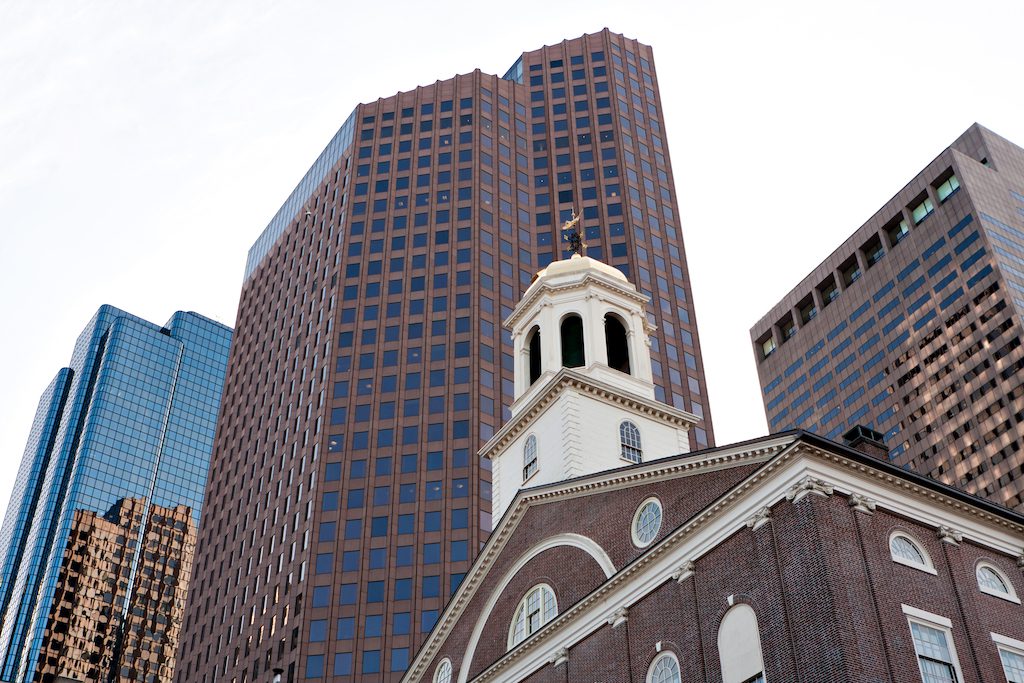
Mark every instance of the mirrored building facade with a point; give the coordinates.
(96, 545)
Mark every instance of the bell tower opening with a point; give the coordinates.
(617, 344)
(573, 355)
(534, 347)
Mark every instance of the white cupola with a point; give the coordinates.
(584, 392)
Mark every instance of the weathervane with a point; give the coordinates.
(576, 243)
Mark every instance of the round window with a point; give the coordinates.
(646, 522)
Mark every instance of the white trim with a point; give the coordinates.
(659, 655)
(785, 460)
(543, 586)
(922, 615)
(574, 540)
(928, 566)
(939, 623)
(1010, 595)
(636, 519)
(437, 671)
(1008, 642)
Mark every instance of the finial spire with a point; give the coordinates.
(573, 237)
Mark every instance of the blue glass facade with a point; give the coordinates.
(133, 416)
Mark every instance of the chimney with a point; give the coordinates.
(866, 441)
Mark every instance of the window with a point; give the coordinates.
(646, 522)
(535, 358)
(537, 608)
(767, 347)
(947, 188)
(664, 669)
(572, 342)
(629, 442)
(933, 644)
(530, 457)
(897, 231)
(922, 210)
(994, 582)
(906, 550)
(617, 344)
(1011, 654)
(739, 646)
(443, 673)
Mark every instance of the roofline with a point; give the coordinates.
(912, 476)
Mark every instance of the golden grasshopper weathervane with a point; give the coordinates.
(576, 243)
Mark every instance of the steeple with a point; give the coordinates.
(584, 390)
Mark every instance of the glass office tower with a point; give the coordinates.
(96, 547)
(913, 326)
(346, 499)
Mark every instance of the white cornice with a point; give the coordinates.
(659, 470)
(789, 464)
(534, 293)
(768, 486)
(568, 378)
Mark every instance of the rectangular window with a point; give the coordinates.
(1011, 655)
(947, 188)
(933, 643)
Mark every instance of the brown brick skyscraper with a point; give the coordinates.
(913, 326)
(346, 499)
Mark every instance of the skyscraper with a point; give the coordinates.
(346, 499)
(913, 326)
(96, 546)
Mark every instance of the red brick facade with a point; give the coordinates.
(819, 575)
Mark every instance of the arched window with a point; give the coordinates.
(443, 672)
(664, 669)
(530, 457)
(994, 582)
(905, 550)
(739, 646)
(573, 355)
(646, 522)
(534, 346)
(537, 608)
(629, 442)
(617, 344)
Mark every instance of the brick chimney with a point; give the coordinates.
(866, 441)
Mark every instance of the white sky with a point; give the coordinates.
(144, 146)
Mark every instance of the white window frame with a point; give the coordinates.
(1010, 595)
(623, 444)
(665, 654)
(530, 467)
(928, 567)
(442, 675)
(637, 541)
(512, 642)
(939, 623)
(1007, 644)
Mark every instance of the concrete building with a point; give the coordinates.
(913, 326)
(346, 499)
(119, 450)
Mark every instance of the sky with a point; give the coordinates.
(144, 146)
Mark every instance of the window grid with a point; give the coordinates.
(530, 457)
(665, 670)
(647, 522)
(1013, 665)
(535, 610)
(629, 440)
(933, 654)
